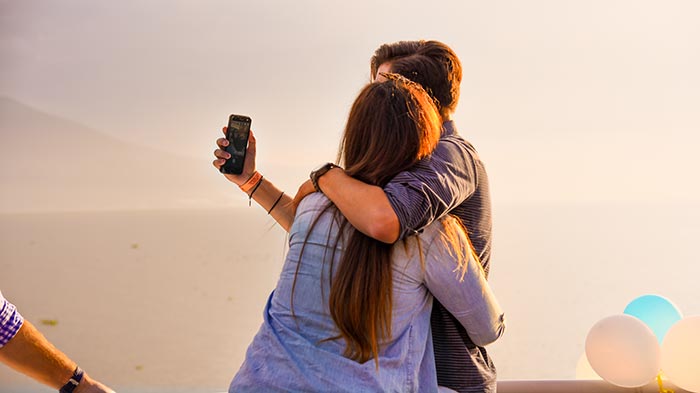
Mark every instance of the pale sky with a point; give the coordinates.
(567, 101)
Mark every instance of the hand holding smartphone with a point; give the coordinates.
(237, 134)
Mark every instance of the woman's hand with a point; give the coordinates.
(248, 166)
(305, 189)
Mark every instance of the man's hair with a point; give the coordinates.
(432, 64)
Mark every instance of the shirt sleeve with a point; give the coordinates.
(434, 186)
(10, 321)
(458, 282)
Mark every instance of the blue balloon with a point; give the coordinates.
(656, 312)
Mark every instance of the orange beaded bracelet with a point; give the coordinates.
(252, 182)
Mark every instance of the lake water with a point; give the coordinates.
(156, 301)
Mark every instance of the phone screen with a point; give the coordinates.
(237, 135)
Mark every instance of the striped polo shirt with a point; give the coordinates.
(452, 180)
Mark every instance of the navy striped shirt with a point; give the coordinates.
(452, 180)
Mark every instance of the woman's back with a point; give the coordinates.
(295, 350)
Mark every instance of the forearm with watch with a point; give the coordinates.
(272, 199)
(365, 206)
(30, 353)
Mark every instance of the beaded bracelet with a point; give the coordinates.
(252, 182)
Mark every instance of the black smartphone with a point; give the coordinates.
(237, 134)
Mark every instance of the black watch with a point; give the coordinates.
(73, 382)
(320, 171)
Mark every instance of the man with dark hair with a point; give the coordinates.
(431, 64)
(452, 180)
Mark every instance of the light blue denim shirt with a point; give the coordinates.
(289, 352)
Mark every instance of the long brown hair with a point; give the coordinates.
(392, 125)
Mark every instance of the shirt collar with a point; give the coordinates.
(448, 128)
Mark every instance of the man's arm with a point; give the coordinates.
(411, 201)
(434, 186)
(365, 206)
(454, 276)
(30, 353)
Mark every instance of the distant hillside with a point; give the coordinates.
(51, 163)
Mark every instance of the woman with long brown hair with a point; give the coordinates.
(350, 313)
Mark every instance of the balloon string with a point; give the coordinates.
(661, 385)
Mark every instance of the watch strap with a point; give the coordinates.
(73, 382)
(315, 175)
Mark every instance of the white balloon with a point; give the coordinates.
(680, 354)
(623, 351)
(584, 369)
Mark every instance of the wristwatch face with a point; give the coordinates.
(322, 169)
(320, 172)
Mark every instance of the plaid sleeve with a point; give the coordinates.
(10, 321)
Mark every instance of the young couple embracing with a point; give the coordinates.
(384, 284)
